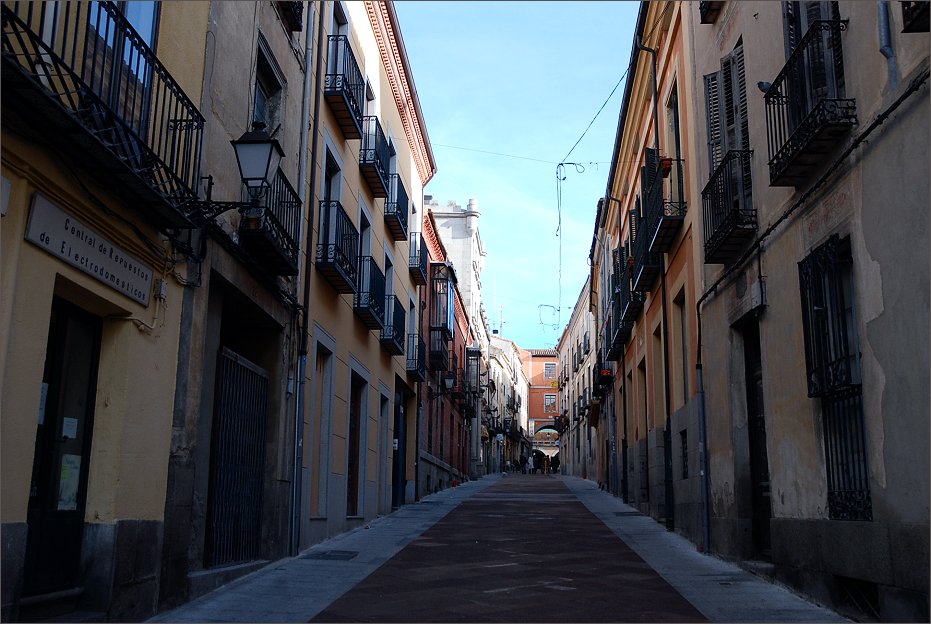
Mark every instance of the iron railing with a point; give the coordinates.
(664, 204)
(369, 302)
(392, 337)
(337, 247)
(419, 259)
(374, 156)
(708, 11)
(806, 111)
(344, 86)
(439, 350)
(273, 240)
(845, 451)
(915, 16)
(647, 264)
(397, 207)
(86, 61)
(416, 357)
(727, 207)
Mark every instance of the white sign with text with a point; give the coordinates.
(63, 236)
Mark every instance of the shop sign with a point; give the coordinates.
(64, 237)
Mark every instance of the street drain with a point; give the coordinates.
(333, 555)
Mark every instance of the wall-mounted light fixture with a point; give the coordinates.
(258, 156)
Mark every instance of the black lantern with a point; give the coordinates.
(257, 155)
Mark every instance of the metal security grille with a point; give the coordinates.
(237, 461)
(832, 364)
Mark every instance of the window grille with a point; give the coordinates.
(833, 375)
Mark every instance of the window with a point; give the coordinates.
(680, 321)
(549, 403)
(832, 353)
(726, 102)
(268, 94)
(549, 370)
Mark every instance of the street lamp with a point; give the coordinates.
(257, 156)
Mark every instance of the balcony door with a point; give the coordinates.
(62, 451)
(820, 73)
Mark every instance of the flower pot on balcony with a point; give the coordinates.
(666, 166)
(252, 218)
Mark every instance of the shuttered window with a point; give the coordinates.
(726, 102)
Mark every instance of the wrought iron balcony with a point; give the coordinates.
(647, 265)
(270, 235)
(708, 11)
(374, 156)
(397, 206)
(392, 337)
(419, 259)
(664, 205)
(344, 87)
(292, 14)
(79, 75)
(727, 206)
(369, 302)
(806, 111)
(337, 247)
(416, 357)
(915, 16)
(631, 302)
(439, 350)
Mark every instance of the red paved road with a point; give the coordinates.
(523, 550)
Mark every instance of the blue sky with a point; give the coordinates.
(523, 79)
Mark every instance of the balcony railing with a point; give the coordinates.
(664, 205)
(439, 350)
(292, 14)
(419, 259)
(708, 11)
(916, 16)
(337, 247)
(416, 357)
(392, 337)
(79, 73)
(270, 236)
(397, 206)
(727, 207)
(369, 302)
(647, 264)
(806, 111)
(344, 89)
(374, 156)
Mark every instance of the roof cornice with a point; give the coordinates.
(384, 21)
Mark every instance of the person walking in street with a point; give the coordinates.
(523, 463)
(530, 465)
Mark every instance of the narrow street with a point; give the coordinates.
(518, 548)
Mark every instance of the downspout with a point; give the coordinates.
(885, 42)
(667, 431)
(703, 440)
(296, 500)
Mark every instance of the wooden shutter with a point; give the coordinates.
(740, 100)
(713, 108)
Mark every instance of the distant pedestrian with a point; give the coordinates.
(555, 464)
(530, 466)
(523, 463)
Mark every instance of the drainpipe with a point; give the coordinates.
(703, 440)
(296, 500)
(885, 42)
(667, 431)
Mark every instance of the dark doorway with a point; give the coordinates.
(756, 430)
(356, 408)
(398, 461)
(62, 451)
